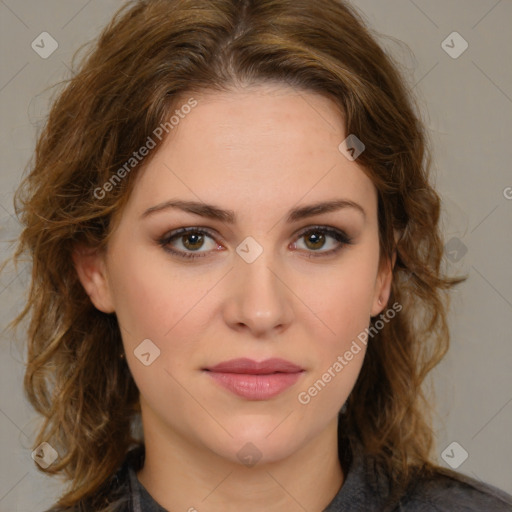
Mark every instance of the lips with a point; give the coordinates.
(254, 380)
(248, 366)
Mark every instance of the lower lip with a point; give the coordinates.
(256, 387)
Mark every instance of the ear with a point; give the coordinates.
(92, 273)
(383, 284)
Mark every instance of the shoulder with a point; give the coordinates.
(115, 495)
(369, 486)
(448, 491)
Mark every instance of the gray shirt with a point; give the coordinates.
(360, 492)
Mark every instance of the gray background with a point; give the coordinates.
(467, 102)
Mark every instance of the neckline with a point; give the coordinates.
(357, 491)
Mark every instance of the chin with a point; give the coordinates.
(258, 442)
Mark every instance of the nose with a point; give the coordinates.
(259, 300)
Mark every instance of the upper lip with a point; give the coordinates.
(249, 366)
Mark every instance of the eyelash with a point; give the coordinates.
(338, 235)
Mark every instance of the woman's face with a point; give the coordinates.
(256, 277)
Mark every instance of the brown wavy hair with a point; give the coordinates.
(151, 55)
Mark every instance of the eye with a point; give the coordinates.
(188, 242)
(188, 239)
(317, 237)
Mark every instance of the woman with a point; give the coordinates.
(235, 241)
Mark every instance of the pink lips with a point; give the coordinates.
(256, 381)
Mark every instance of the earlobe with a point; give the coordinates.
(92, 273)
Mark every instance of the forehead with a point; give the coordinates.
(259, 146)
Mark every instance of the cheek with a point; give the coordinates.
(340, 342)
(156, 301)
(153, 303)
(150, 294)
(345, 299)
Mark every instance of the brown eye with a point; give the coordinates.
(192, 241)
(315, 240)
(322, 241)
(189, 243)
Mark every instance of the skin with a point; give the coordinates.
(258, 151)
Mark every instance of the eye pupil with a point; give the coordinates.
(194, 245)
(317, 240)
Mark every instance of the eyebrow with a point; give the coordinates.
(228, 216)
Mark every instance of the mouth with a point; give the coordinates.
(254, 380)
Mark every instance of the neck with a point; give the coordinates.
(184, 476)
